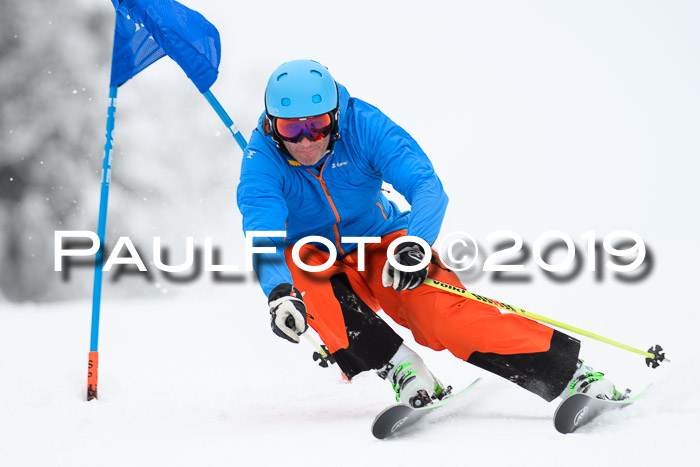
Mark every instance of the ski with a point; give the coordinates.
(397, 417)
(579, 409)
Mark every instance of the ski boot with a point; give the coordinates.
(594, 384)
(413, 383)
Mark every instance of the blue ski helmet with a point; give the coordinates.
(300, 88)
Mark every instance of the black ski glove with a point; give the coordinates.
(408, 254)
(287, 312)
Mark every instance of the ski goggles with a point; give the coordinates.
(293, 130)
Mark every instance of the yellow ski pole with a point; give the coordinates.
(315, 345)
(654, 356)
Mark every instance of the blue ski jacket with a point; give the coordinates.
(342, 195)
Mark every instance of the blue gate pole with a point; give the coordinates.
(226, 119)
(93, 359)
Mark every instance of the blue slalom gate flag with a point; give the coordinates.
(144, 32)
(147, 30)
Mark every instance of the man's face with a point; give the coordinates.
(308, 152)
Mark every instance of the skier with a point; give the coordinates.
(314, 167)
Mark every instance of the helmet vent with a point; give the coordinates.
(300, 88)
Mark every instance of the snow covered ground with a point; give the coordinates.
(538, 116)
(182, 383)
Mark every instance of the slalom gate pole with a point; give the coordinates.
(93, 359)
(242, 143)
(656, 357)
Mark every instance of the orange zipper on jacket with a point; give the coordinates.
(330, 201)
(381, 209)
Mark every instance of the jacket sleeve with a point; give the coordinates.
(262, 205)
(401, 162)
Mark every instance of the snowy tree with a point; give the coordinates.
(53, 59)
(174, 174)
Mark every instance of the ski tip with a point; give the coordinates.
(392, 419)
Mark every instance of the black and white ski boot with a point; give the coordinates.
(413, 383)
(594, 384)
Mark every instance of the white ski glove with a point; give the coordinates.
(287, 312)
(408, 254)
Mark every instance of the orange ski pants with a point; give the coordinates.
(437, 319)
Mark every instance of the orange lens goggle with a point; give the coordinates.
(315, 128)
